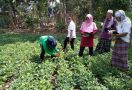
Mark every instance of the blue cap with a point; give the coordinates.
(51, 42)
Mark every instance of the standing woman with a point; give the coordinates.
(120, 51)
(104, 44)
(88, 29)
(71, 35)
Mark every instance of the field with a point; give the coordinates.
(20, 68)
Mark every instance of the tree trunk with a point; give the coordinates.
(65, 10)
(90, 4)
(13, 15)
(131, 38)
(12, 24)
(131, 27)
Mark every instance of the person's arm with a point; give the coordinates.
(94, 31)
(111, 32)
(126, 27)
(81, 32)
(94, 28)
(113, 26)
(57, 53)
(41, 41)
(120, 34)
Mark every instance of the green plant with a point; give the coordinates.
(19, 57)
(31, 21)
(60, 25)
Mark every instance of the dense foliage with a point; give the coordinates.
(19, 58)
(79, 7)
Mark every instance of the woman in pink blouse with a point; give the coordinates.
(88, 29)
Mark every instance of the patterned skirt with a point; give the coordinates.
(103, 46)
(120, 55)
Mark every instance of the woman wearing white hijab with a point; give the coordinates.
(120, 50)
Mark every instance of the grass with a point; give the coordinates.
(20, 68)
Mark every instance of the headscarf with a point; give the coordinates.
(90, 20)
(120, 13)
(110, 11)
(88, 25)
(108, 22)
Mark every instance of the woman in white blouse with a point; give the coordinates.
(120, 51)
(71, 34)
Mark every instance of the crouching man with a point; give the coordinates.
(48, 45)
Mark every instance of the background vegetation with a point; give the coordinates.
(22, 22)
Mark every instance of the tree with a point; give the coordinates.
(131, 27)
(131, 38)
(90, 6)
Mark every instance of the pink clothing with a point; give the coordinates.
(88, 25)
(90, 20)
(88, 29)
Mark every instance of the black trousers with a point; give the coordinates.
(42, 54)
(71, 43)
(82, 50)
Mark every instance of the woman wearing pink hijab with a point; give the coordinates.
(88, 29)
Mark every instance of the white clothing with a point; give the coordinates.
(52, 4)
(124, 27)
(110, 11)
(72, 27)
(58, 1)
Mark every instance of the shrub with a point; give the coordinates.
(60, 25)
(31, 21)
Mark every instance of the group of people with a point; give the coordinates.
(118, 27)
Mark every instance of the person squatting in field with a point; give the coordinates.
(48, 45)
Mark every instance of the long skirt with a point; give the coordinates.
(103, 46)
(87, 42)
(120, 55)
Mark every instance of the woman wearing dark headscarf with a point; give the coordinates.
(120, 51)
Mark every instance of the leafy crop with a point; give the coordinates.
(19, 57)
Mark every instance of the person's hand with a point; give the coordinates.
(82, 33)
(91, 34)
(57, 54)
(110, 32)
